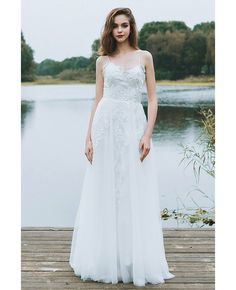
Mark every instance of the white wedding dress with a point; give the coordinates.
(117, 232)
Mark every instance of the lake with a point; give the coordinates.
(54, 126)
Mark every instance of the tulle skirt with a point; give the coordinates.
(117, 231)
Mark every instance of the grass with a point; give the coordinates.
(53, 81)
(191, 80)
(196, 81)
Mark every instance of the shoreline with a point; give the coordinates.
(181, 82)
(190, 81)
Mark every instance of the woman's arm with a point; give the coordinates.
(98, 93)
(151, 91)
(144, 145)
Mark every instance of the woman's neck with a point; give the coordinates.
(123, 48)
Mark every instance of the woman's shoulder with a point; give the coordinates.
(146, 57)
(101, 60)
(146, 53)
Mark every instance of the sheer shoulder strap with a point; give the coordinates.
(108, 59)
(140, 57)
(141, 61)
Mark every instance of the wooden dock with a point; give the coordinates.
(45, 255)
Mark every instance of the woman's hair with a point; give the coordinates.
(107, 41)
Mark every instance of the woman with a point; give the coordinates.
(117, 234)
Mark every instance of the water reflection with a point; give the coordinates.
(53, 162)
(27, 108)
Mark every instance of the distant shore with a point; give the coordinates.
(194, 81)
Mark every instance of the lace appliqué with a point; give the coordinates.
(120, 119)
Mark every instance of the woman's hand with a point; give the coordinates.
(144, 147)
(89, 149)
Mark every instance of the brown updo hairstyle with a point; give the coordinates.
(107, 41)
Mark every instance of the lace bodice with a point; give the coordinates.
(122, 83)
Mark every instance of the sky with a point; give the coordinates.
(60, 29)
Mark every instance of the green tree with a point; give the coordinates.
(205, 27)
(167, 49)
(94, 56)
(162, 26)
(49, 67)
(194, 53)
(75, 63)
(27, 61)
(210, 53)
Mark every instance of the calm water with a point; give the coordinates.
(54, 126)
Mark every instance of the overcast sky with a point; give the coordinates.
(58, 29)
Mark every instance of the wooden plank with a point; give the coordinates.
(170, 241)
(64, 266)
(191, 248)
(128, 286)
(69, 276)
(66, 275)
(57, 257)
(68, 233)
(45, 255)
(71, 228)
(74, 279)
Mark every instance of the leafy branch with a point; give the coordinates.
(200, 160)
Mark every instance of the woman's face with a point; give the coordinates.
(121, 28)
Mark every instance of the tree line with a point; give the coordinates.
(28, 65)
(178, 51)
